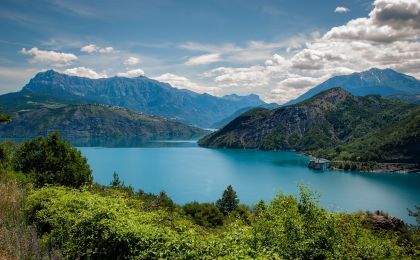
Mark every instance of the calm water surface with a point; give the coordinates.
(187, 172)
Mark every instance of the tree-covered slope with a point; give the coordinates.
(94, 121)
(397, 142)
(331, 118)
(139, 94)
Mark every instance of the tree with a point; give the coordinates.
(50, 160)
(116, 181)
(229, 201)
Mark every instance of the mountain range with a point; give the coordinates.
(383, 82)
(139, 94)
(331, 118)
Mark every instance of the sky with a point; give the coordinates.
(274, 48)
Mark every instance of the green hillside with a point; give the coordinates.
(75, 121)
(331, 119)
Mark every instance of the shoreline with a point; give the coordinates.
(372, 167)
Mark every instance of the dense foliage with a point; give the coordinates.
(204, 214)
(88, 224)
(396, 142)
(50, 160)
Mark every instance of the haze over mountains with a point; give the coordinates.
(141, 94)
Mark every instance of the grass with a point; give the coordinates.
(17, 239)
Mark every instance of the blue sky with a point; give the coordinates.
(277, 49)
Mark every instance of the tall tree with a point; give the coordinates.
(229, 201)
(51, 160)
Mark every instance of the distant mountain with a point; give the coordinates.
(79, 121)
(225, 121)
(384, 82)
(140, 94)
(333, 117)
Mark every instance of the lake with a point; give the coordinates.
(187, 172)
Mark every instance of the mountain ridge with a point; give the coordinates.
(384, 82)
(330, 118)
(141, 94)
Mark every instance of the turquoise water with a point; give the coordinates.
(187, 172)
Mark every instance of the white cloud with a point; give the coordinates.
(184, 83)
(106, 50)
(250, 52)
(84, 72)
(341, 9)
(132, 61)
(246, 77)
(131, 73)
(389, 21)
(203, 59)
(91, 48)
(49, 57)
(387, 38)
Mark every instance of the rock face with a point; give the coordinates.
(332, 117)
(384, 82)
(140, 94)
(77, 121)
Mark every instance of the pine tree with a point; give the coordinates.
(229, 201)
(116, 181)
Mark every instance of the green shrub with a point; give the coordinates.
(89, 225)
(92, 226)
(51, 160)
(204, 214)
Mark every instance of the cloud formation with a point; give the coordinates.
(250, 52)
(132, 61)
(203, 59)
(131, 73)
(91, 48)
(84, 72)
(387, 38)
(389, 21)
(49, 57)
(184, 83)
(341, 9)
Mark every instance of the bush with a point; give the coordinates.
(86, 225)
(51, 160)
(89, 225)
(7, 149)
(204, 214)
